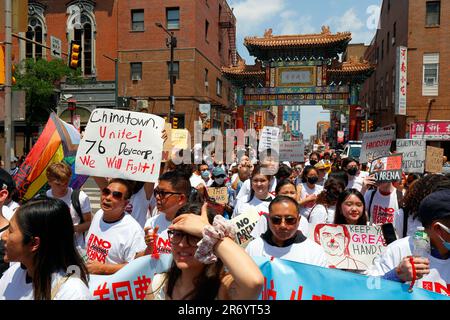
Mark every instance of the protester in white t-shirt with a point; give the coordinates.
(40, 239)
(308, 190)
(433, 270)
(114, 238)
(5, 214)
(283, 240)
(58, 177)
(382, 203)
(325, 207)
(357, 179)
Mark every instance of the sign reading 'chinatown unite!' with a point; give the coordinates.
(121, 144)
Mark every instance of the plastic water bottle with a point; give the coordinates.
(421, 243)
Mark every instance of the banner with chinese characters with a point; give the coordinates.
(432, 130)
(401, 78)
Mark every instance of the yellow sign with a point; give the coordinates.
(434, 160)
(220, 195)
(179, 138)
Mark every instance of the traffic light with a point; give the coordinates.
(13, 73)
(175, 123)
(363, 125)
(370, 125)
(75, 55)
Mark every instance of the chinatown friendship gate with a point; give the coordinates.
(298, 70)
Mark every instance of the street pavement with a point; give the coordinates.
(93, 192)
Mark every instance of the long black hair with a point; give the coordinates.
(50, 220)
(207, 284)
(339, 216)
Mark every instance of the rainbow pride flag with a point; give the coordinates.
(58, 142)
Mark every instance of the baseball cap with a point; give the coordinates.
(435, 206)
(217, 171)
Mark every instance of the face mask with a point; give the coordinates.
(205, 174)
(445, 243)
(313, 180)
(219, 180)
(352, 171)
(312, 162)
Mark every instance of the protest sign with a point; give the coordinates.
(269, 139)
(180, 138)
(121, 144)
(434, 161)
(293, 151)
(244, 224)
(352, 247)
(413, 151)
(387, 169)
(376, 144)
(167, 146)
(220, 195)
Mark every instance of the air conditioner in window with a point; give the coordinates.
(430, 81)
(142, 104)
(135, 77)
(206, 84)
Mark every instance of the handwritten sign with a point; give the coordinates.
(167, 147)
(434, 161)
(387, 169)
(376, 144)
(352, 247)
(220, 195)
(121, 144)
(244, 224)
(269, 139)
(180, 138)
(293, 151)
(413, 151)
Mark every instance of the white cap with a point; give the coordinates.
(287, 163)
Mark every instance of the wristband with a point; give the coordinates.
(220, 229)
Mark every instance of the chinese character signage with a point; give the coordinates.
(401, 80)
(432, 130)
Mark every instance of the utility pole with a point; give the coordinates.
(116, 78)
(8, 75)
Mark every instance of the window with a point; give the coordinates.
(219, 87)
(433, 13)
(34, 33)
(136, 71)
(206, 29)
(394, 32)
(176, 69)
(220, 48)
(206, 77)
(387, 43)
(382, 50)
(393, 85)
(430, 74)
(137, 20)
(85, 36)
(173, 18)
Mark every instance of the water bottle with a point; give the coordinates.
(421, 243)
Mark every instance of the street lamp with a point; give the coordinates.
(172, 43)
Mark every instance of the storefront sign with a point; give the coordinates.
(432, 130)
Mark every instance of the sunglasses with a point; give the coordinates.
(288, 220)
(162, 194)
(175, 237)
(446, 229)
(115, 194)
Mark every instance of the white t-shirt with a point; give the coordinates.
(261, 226)
(13, 286)
(13, 205)
(242, 206)
(307, 191)
(306, 251)
(234, 177)
(138, 206)
(382, 208)
(411, 224)
(7, 212)
(163, 243)
(321, 214)
(114, 243)
(85, 206)
(355, 182)
(195, 180)
(244, 192)
(438, 280)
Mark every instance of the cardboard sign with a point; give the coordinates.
(167, 147)
(376, 144)
(413, 151)
(387, 169)
(269, 139)
(293, 151)
(121, 144)
(352, 247)
(434, 161)
(244, 224)
(220, 195)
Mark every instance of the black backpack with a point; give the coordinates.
(75, 199)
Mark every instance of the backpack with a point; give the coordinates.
(75, 199)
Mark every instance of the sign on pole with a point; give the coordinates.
(121, 144)
(269, 139)
(56, 47)
(387, 169)
(401, 80)
(376, 144)
(434, 161)
(413, 151)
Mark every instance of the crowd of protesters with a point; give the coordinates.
(177, 216)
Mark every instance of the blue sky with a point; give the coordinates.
(360, 17)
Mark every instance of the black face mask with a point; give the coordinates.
(352, 171)
(312, 162)
(331, 197)
(313, 180)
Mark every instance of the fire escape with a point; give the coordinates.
(227, 22)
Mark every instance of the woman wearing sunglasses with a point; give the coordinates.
(283, 240)
(201, 252)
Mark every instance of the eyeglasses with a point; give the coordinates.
(116, 194)
(162, 194)
(289, 220)
(175, 237)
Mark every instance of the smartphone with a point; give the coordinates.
(388, 233)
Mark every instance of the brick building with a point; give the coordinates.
(419, 25)
(123, 33)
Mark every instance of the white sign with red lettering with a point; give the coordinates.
(376, 144)
(401, 80)
(121, 144)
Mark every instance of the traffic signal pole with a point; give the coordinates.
(8, 80)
